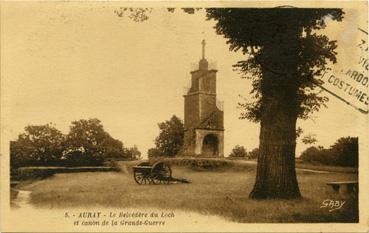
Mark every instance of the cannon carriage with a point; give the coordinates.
(154, 173)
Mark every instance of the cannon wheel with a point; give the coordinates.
(142, 178)
(161, 173)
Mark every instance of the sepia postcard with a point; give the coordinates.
(184, 116)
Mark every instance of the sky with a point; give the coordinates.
(62, 62)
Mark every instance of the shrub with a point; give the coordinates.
(345, 151)
(170, 139)
(254, 154)
(317, 154)
(79, 158)
(238, 152)
(132, 153)
(154, 153)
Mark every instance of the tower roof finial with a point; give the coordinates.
(203, 49)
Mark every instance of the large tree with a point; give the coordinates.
(132, 153)
(87, 141)
(238, 152)
(170, 139)
(284, 56)
(38, 145)
(346, 151)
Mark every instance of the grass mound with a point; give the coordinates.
(207, 164)
(201, 163)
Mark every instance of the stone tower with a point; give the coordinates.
(203, 115)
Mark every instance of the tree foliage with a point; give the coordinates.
(135, 14)
(87, 143)
(344, 152)
(238, 152)
(253, 154)
(39, 144)
(87, 140)
(132, 153)
(309, 139)
(154, 153)
(170, 139)
(274, 39)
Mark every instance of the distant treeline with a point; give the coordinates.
(86, 144)
(240, 152)
(344, 152)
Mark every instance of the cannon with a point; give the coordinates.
(154, 173)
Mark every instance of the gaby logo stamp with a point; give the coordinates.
(332, 205)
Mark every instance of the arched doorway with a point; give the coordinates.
(210, 145)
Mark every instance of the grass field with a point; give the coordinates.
(221, 192)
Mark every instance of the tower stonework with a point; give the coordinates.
(203, 115)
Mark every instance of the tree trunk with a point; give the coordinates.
(276, 175)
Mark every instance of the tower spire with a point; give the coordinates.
(203, 49)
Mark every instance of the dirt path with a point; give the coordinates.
(297, 169)
(22, 200)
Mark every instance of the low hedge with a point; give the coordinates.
(197, 163)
